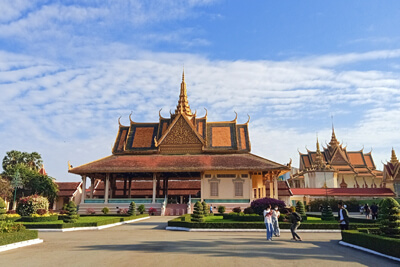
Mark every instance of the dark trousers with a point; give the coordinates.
(374, 216)
(344, 226)
(293, 229)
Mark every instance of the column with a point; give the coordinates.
(130, 188)
(271, 186)
(154, 187)
(125, 182)
(83, 189)
(107, 188)
(201, 188)
(92, 181)
(275, 186)
(251, 187)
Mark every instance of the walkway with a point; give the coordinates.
(146, 243)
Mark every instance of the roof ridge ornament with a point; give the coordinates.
(183, 103)
(235, 119)
(247, 122)
(394, 159)
(130, 118)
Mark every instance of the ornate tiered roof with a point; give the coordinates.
(391, 170)
(337, 158)
(182, 133)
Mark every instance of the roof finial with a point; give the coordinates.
(183, 103)
(394, 159)
(183, 74)
(334, 142)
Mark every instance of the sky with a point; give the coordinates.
(69, 69)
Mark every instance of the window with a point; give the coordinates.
(207, 175)
(259, 192)
(226, 175)
(238, 189)
(255, 193)
(214, 189)
(245, 175)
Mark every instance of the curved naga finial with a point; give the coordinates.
(290, 163)
(170, 113)
(235, 119)
(298, 150)
(119, 121)
(130, 118)
(159, 114)
(206, 113)
(195, 113)
(247, 122)
(69, 165)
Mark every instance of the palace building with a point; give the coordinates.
(347, 174)
(391, 173)
(172, 163)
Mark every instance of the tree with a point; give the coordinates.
(2, 209)
(31, 160)
(5, 188)
(300, 209)
(259, 205)
(198, 215)
(72, 216)
(327, 214)
(390, 217)
(132, 209)
(206, 209)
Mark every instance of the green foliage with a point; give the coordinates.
(105, 210)
(141, 209)
(198, 215)
(10, 227)
(38, 218)
(301, 210)
(206, 209)
(2, 209)
(382, 244)
(390, 217)
(327, 214)
(248, 210)
(132, 209)
(9, 238)
(29, 205)
(243, 217)
(13, 158)
(72, 216)
(221, 209)
(5, 188)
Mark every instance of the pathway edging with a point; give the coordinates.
(20, 244)
(368, 250)
(173, 228)
(91, 228)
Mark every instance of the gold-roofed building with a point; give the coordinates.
(391, 173)
(153, 163)
(341, 171)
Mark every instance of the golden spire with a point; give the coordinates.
(183, 103)
(319, 159)
(394, 159)
(334, 142)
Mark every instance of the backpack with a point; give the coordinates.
(297, 216)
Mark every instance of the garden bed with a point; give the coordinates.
(218, 222)
(14, 237)
(385, 245)
(85, 221)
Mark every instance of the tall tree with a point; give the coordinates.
(13, 158)
(5, 188)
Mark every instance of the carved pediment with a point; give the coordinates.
(181, 133)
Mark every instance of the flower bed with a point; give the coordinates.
(382, 244)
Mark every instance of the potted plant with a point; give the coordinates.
(152, 211)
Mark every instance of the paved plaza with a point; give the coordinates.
(146, 243)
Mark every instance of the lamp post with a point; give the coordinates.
(16, 182)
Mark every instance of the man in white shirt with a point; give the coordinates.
(275, 223)
(343, 217)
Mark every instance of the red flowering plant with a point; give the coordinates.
(30, 205)
(152, 211)
(90, 211)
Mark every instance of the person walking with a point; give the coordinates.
(343, 216)
(268, 222)
(374, 211)
(367, 211)
(275, 222)
(295, 219)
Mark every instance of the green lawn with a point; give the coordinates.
(220, 219)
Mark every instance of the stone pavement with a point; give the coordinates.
(146, 243)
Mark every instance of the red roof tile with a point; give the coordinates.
(67, 189)
(343, 191)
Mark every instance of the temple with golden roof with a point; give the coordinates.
(180, 159)
(391, 173)
(347, 174)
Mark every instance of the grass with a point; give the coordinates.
(220, 219)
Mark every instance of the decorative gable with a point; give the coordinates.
(338, 158)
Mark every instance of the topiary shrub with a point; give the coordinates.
(237, 210)
(221, 209)
(248, 210)
(301, 210)
(198, 215)
(72, 216)
(29, 205)
(327, 214)
(206, 209)
(105, 210)
(259, 205)
(132, 209)
(141, 209)
(390, 217)
(2, 209)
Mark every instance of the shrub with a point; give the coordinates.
(259, 205)
(152, 211)
(29, 205)
(41, 211)
(248, 210)
(125, 212)
(198, 215)
(2, 209)
(390, 218)
(282, 218)
(132, 209)
(206, 209)
(105, 210)
(221, 209)
(63, 212)
(300, 210)
(72, 217)
(90, 211)
(237, 209)
(141, 209)
(38, 218)
(12, 217)
(327, 214)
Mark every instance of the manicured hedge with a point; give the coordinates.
(244, 217)
(257, 225)
(351, 220)
(385, 245)
(9, 238)
(38, 219)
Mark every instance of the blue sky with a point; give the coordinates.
(69, 69)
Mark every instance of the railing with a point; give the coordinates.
(129, 200)
(227, 201)
(94, 200)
